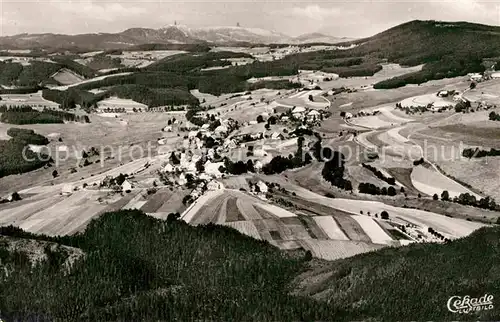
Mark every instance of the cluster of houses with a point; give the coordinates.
(301, 113)
(189, 164)
(478, 77)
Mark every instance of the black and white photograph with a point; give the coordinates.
(249, 160)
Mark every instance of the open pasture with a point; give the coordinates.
(67, 77)
(98, 78)
(337, 249)
(144, 58)
(279, 226)
(34, 100)
(386, 117)
(487, 92)
(302, 99)
(357, 174)
(452, 226)
(330, 227)
(115, 102)
(427, 99)
(482, 174)
(374, 231)
(430, 181)
(55, 214)
(371, 98)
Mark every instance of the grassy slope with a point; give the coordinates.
(447, 49)
(411, 282)
(137, 267)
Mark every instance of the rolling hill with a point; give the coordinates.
(171, 34)
(447, 49)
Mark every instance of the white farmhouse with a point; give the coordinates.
(127, 185)
(213, 185)
(182, 180)
(221, 129)
(299, 109)
(313, 115)
(475, 76)
(67, 189)
(259, 152)
(277, 136)
(262, 187)
(168, 168)
(230, 144)
(257, 165)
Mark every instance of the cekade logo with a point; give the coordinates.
(467, 304)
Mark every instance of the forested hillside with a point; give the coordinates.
(139, 268)
(26, 115)
(448, 49)
(38, 72)
(16, 158)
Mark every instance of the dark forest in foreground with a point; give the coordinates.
(136, 267)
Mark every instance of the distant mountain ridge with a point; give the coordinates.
(171, 34)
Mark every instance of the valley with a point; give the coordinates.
(278, 165)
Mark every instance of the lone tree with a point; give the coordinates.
(308, 256)
(435, 197)
(16, 197)
(311, 98)
(445, 196)
(384, 215)
(472, 85)
(55, 174)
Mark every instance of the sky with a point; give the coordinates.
(357, 18)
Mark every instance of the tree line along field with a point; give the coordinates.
(214, 272)
(445, 58)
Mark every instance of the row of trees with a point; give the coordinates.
(380, 175)
(237, 168)
(372, 189)
(279, 163)
(27, 136)
(477, 153)
(333, 171)
(469, 200)
(27, 115)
